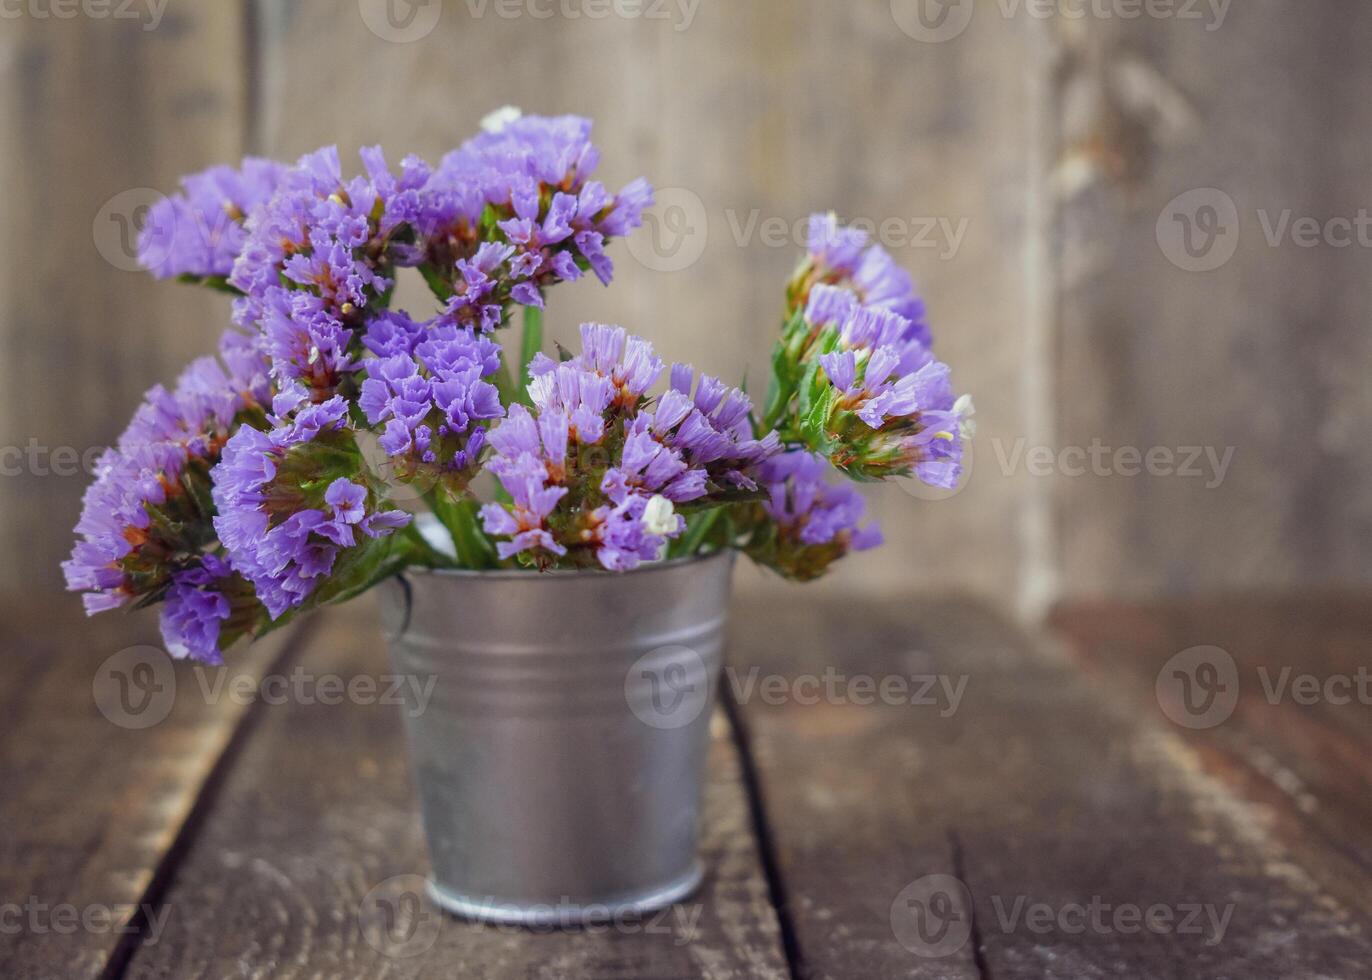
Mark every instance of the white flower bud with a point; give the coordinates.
(494, 122)
(659, 517)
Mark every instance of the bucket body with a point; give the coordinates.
(560, 755)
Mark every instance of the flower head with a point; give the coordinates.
(146, 517)
(199, 232)
(815, 522)
(842, 257)
(289, 505)
(432, 399)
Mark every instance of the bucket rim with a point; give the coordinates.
(530, 575)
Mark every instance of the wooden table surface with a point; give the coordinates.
(914, 789)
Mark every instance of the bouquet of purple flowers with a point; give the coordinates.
(265, 482)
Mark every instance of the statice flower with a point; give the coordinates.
(840, 256)
(206, 607)
(812, 522)
(147, 515)
(290, 504)
(713, 429)
(431, 399)
(529, 178)
(882, 404)
(199, 232)
(318, 257)
(589, 474)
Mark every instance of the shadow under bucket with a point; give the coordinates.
(559, 760)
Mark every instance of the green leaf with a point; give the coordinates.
(697, 526)
(532, 338)
(439, 286)
(217, 283)
(474, 548)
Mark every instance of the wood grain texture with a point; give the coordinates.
(1294, 739)
(277, 881)
(1267, 353)
(748, 117)
(104, 113)
(107, 748)
(1043, 789)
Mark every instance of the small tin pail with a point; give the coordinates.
(560, 756)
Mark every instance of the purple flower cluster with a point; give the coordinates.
(889, 404)
(287, 506)
(815, 522)
(318, 256)
(629, 463)
(531, 176)
(199, 232)
(145, 523)
(426, 386)
(840, 256)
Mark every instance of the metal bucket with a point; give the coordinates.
(560, 755)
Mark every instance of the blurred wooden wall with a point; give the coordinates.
(1045, 151)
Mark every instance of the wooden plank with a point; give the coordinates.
(1045, 794)
(748, 117)
(1294, 737)
(107, 748)
(1153, 354)
(319, 813)
(112, 107)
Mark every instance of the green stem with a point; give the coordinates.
(697, 527)
(532, 341)
(474, 549)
